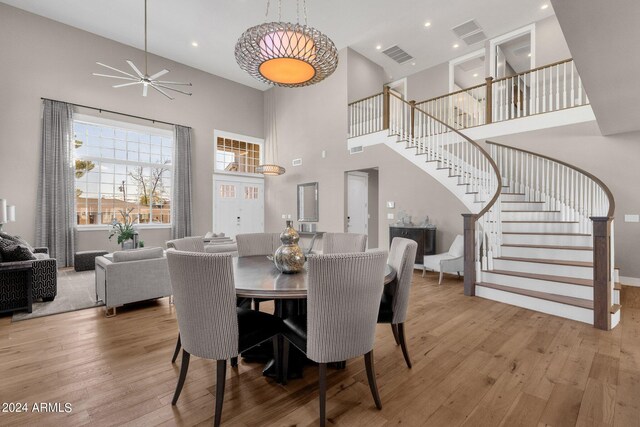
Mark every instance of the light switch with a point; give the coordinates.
(390, 216)
(391, 204)
(632, 218)
(284, 216)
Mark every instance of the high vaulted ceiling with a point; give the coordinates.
(360, 24)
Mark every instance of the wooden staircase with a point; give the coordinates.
(540, 231)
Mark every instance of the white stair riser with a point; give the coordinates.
(513, 197)
(557, 309)
(510, 206)
(532, 216)
(541, 227)
(539, 268)
(547, 239)
(566, 289)
(545, 253)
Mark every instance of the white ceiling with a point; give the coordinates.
(360, 24)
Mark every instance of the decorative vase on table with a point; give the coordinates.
(289, 258)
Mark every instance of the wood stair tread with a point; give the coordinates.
(518, 201)
(542, 222)
(513, 194)
(576, 248)
(562, 299)
(545, 234)
(548, 261)
(527, 210)
(547, 277)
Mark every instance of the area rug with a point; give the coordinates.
(76, 291)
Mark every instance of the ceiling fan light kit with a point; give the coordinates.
(286, 54)
(145, 79)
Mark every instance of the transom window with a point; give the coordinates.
(118, 167)
(236, 155)
(228, 191)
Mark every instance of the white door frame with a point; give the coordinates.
(399, 83)
(529, 29)
(217, 177)
(364, 175)
(452, 65)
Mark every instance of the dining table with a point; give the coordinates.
(257, 277)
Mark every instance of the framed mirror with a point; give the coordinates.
(308, 202)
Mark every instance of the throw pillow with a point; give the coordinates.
(16, 253)
(16, 239)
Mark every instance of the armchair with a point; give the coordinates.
(449, 262)
(132, 276)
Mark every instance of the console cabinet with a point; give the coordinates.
(425, 237)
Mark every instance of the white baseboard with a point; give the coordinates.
(630, 281)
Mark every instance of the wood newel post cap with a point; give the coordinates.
(385, 89)
(413, 103)
(469, 220)
(489, 80)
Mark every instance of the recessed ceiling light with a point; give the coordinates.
(194, 44)
(413, 63)
(455, 46)
(427, 24)
(475, 75)
(529, 55)
(544, 6)
(379, 47)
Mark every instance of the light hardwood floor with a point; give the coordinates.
(475, 362)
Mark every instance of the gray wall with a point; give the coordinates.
(313, 119)
(613, 159)
(364, 77)
(43, 58)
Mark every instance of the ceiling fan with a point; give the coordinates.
(144, 79)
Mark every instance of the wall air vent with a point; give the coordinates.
(397, 54)
(296, 162)
(356, 150)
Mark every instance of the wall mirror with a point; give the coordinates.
(308, 202)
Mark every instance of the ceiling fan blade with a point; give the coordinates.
(115, 69)
(145, 88)
(135, 79)
(175, 90)
(173, 83)
(127, 84)
(158, 74)
(132, 65)
(161, 91)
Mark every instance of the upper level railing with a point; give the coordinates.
(545, 89)
(579, 196)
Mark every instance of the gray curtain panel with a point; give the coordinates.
(181, 203)
(55, 217)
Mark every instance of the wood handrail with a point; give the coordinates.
(497, 80)
(493, 164)
(364, 99)
(534, 69)
(612, 202)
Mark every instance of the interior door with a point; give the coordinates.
(238, 207)
(358, 202)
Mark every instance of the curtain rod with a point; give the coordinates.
(114, 112)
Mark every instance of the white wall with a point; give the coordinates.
(43, 58)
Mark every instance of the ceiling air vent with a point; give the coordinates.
(470, 32)
(356, 150)
(474, 38)
(397, 54)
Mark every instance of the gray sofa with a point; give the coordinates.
(131, 276)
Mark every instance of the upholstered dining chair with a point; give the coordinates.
(188, 244)
(343, 299)
(343, 243)
(395, 298)
(253, 244)
(211, 326)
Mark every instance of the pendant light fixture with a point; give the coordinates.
(270, 167)
(144, 79)
(286, 54)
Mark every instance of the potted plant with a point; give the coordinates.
(125, 230)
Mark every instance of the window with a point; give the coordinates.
(251, 193)
(228, 191)
(235, 153)
(121, 167)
